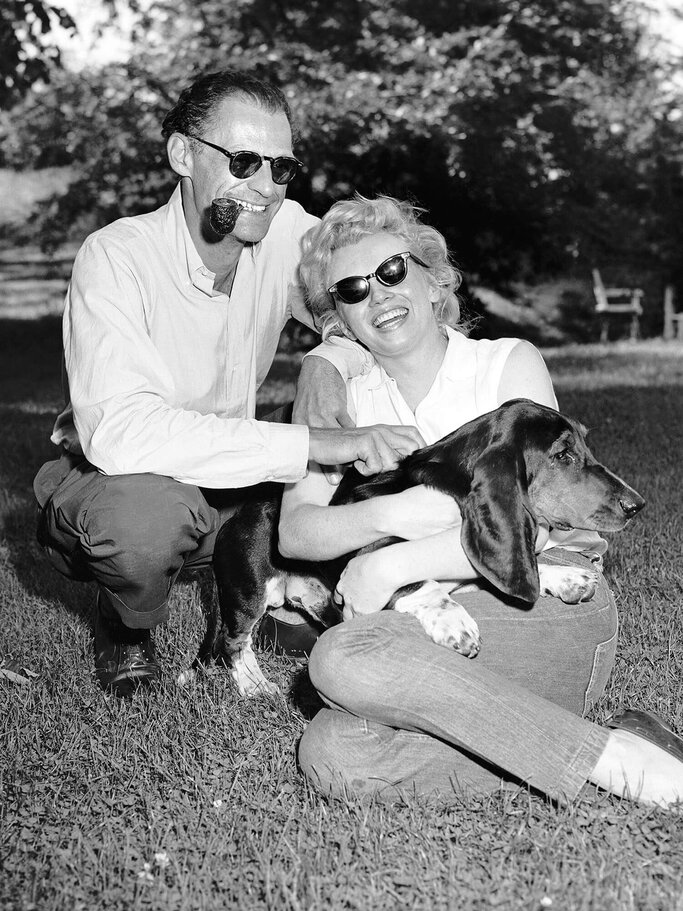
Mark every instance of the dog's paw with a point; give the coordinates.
(571, 584)
(445, 621)
(453, 627)
(248, 676)
(186, 677)
(310, 595)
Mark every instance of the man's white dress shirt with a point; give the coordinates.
(163, 370)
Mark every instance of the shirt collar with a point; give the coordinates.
(455, 362)
(451, 368)
(189, 262)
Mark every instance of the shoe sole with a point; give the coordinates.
(650, 728)
(124, 685)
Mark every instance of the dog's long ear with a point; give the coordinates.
(499, 528)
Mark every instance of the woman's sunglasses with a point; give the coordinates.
(392, 271)
(246, 164)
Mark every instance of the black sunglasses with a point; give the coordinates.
(392, 271)
(246, 164)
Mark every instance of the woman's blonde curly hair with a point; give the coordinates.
(349, 221)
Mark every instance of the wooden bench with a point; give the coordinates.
(619, 302)
(673, 321)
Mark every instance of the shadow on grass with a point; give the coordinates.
(303, 695)
(30, 399)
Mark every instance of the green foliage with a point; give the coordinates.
(536, 133)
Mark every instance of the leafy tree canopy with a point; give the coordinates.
(538, 133)
(26, 54)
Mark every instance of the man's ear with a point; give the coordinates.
(180, 154)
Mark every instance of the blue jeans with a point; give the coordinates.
(406, 714)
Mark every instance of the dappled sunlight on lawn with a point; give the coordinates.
(583, 367)
(195, 791)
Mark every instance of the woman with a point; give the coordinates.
(404, 712)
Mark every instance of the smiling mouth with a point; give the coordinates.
(249, 206)
(225, 210)
(390, 318)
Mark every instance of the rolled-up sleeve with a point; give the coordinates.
(121, 388)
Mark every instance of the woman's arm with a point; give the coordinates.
(311, 529)
(525, 376)
(370, 579)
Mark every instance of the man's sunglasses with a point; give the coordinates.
(246, 164)
(391, 272)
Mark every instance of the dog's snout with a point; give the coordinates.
(631, 505)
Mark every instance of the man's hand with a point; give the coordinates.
(320, 395)
(370, 449)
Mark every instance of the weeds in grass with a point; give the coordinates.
(190, 798)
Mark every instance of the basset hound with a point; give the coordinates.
(509, 470)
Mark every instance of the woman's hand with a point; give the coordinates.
(420, 512)
(367, 583)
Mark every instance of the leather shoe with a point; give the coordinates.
(125, 658)
(284, 638)
(651, 728)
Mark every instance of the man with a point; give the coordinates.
(172, 320)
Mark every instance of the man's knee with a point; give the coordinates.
(142, 521)
(126, 527)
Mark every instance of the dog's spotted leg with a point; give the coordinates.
(571, 584)
(247, 674)
(237, 649)
(311, 596)
(444, 620)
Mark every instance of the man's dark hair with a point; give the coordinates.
(196, 104)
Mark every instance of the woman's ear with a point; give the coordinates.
(180, 154)
(434, 291)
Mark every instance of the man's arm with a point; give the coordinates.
(370, 449)
(321, 399)
(320, 395)
(121, 389)
(321, 388)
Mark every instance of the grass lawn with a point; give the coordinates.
(190, 798)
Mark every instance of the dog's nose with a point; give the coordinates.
(632, 505)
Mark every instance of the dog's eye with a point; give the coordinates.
(565, 456)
